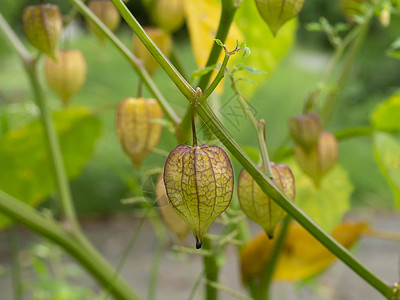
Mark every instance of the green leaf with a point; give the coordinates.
(327, 203)
(266, 51)
(386, 116)
(26, 167)
(219, 43)
(387, 154)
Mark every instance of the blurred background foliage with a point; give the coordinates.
(109, 177)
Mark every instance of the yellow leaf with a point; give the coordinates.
(202, 17)
(302, 255)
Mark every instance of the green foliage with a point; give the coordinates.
(386, 150)
(325, 204)
(266, 50)
(28, 174)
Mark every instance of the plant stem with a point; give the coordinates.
(217, 79)
(266, 184)
(332, 98)
(50, 133)
(135, 62)
(54, 149)
(168, 67)
(14, 40)
(86, 256)
(268, 273)
(258, 126)
(15, 265)
(211, 270)
(227, 14)
(155, 267)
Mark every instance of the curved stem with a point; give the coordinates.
(332, 98)
(265, 183)
(227, 14)
(54, 149)
(216, 81)
(87, 257)
(168, 67)
(135, 62)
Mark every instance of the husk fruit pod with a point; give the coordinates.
(163, 42)
(321, 159)
(257, 205)
(169, 14)
(171, 219)
(277, 12)
(137, 128)
(42, 26)
(305, 130)
(199, 185)
(66, 76)
(107, 13)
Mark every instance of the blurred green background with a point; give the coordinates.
(109, 177)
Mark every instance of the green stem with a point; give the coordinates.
(211, 270)
(216, 81)
(258, 126)
(135, 62)
(125, 254)
(332, 98)
(15, 265)
(227, 15)
(86, 256)
(168, 67)
(263, 288)
(155, 267)
(50, 133)
(268, 187)
(54, 149)
(14, 40)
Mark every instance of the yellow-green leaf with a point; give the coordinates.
(387, 154)
(302, 255)
(202, 18)
(327, 203)
(387, 115)
(26, 171)
(266, 50)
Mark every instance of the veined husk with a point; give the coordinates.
(138, 129)
(43, 25)
(257, 205)
(107, 13)
(171, 219)
(199, 185)
(66, 76)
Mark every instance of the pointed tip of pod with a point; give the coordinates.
(270, 234)
(198, 244)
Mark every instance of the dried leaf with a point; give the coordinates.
(302, 255)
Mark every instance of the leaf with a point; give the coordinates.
(24, 159)
(302, 256)
(266, 51)
(202, 21)
(386, 115)
(327, 203)
(387, 154)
